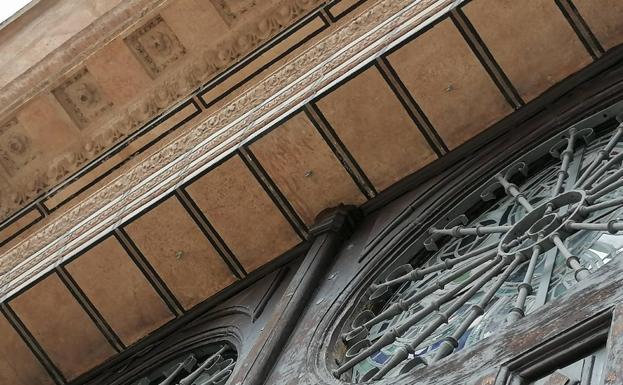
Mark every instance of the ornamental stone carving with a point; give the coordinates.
(156, 46)
(15, 147)
(82, 98)
(319, 66)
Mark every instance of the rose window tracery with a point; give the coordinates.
(540, 226)
(207, 365)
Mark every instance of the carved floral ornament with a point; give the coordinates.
(85, 103)
(320, 66)
(522, 240)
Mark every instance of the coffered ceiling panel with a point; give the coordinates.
(83, 98)
(376, 129)
(42, 132)
(243, 214)
(195, 22)
(47, 123)
(49, 307)
(443, 74)
(536, 47)
(156, 46)
(118, 72)
(119, 291)
(18, 365)
(180, 253)
(605, 19)
(304, 168)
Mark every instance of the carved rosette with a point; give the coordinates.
(155, 46)
(332, 58)
(82, 98)
(15, 147)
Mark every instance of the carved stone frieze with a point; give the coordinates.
(171, 87)
(15, 147)
(82, 98)
(332, 58)
(156, 46)
(233, 10)
(68, 56)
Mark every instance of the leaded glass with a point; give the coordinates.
(518, 251)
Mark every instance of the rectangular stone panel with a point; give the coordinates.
(16, 149)
(82, 98)
(339, 8)
(196, 23)
(243, 214)
(243, 75)
(604, 18)
(233, 11)
(25, 220)
(118, 72)
(156, 46)
(45, 132)
(535, 45)
(92, 180)
(376, 129)
(119, 291)
(450, 85)
(18, 365)
(179, 252)
(62, 328)
(305, 169)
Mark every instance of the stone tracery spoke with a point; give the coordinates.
(613, 226)
(573, 262)
(609, 165)
(525, 288)
(608, 185)
(442, 317)
(513, 191)
(565, 157)
(585, 210)
(438, 284)
(588, 176)
(451, 342)
(211, 360)
(205, 365)
(417, 274)
(221, 375)
(461, 231)
(485, 271)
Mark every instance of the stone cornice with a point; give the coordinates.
(119, 123)
(383, 25)
(51, 69)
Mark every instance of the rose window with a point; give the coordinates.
(539, 227)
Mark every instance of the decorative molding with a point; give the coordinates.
(178, 83)
(233, 10)
(49, 72)
(155, 46)
(82, 98)
(361, 40)
(15, 147)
